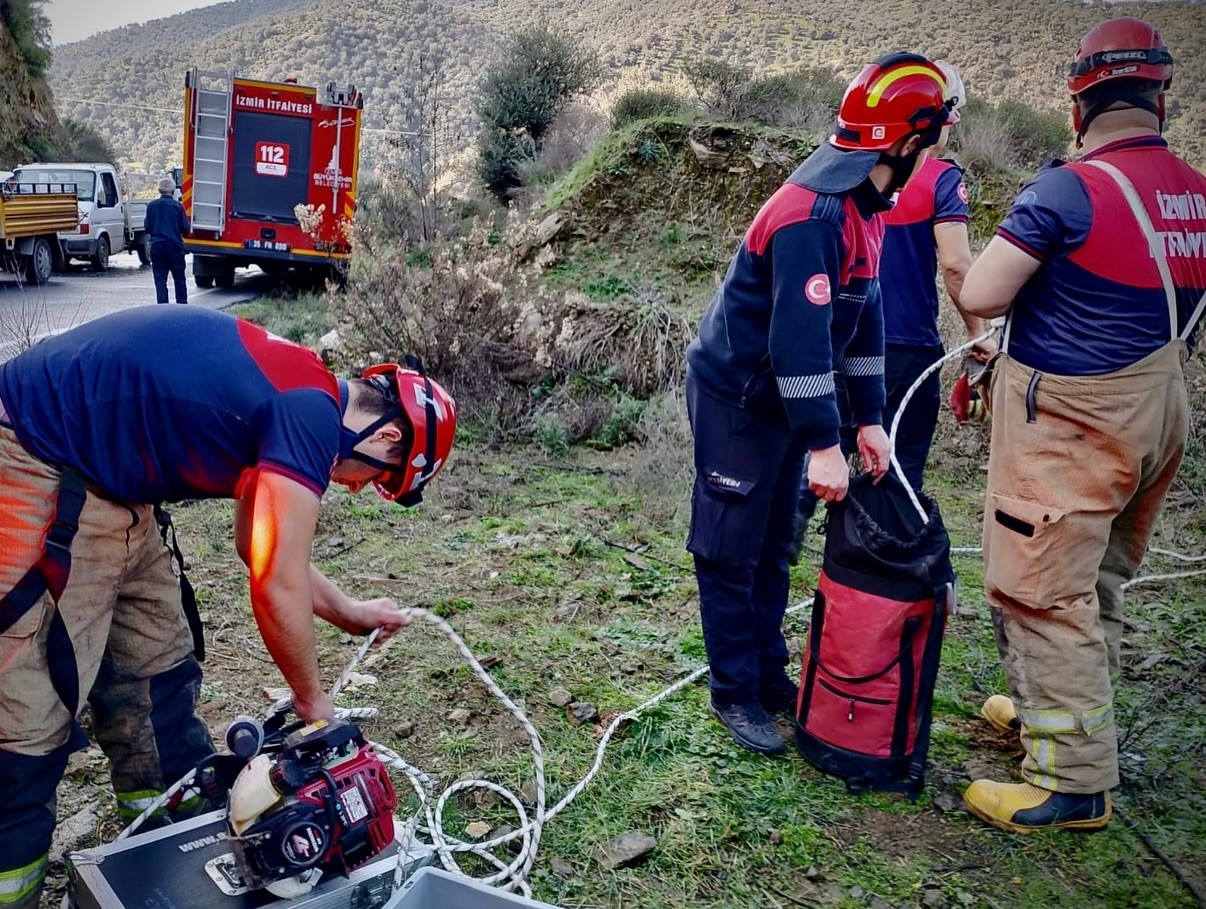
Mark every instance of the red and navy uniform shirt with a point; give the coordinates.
(799, 302)
(1096, 304)
(908, 269)
(162, 403)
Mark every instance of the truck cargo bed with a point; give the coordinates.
(33, 209)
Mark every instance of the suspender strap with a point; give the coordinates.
(1157, 250)
(188, 596)
(49, 575)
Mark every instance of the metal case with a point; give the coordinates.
(434, 888)
(172, 868)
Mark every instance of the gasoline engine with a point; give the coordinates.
(308, 807)
(322, 803)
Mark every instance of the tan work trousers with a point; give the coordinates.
(121, 603)
(1078, 472)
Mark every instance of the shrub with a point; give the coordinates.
(30, 29)
(502, 155)
(456, 307)
(718, 84)
(645, 104)
(573, 135)
(1010, 134)
(541, 72)
(806, 99)
(1038, 135)
(80, 142)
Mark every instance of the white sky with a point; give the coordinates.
(73, 20)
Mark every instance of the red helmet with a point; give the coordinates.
(893, 97)
(1122, 48)
(431, 412)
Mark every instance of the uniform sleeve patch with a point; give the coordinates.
(817, 289)
(962, 191)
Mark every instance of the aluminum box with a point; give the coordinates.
(434, 888)
(174, 868)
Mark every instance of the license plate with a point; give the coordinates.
(267, 245)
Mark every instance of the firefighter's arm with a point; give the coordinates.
(995, 279)
(355, 616)
(275, 518)
(954, 260)
(806, 275)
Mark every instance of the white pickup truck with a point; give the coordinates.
(109, 221)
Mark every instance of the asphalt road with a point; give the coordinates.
(29, 313)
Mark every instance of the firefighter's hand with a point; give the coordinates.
(313, 707)
(982, 351)
(875, 450)
(361, 617)
(829, 474)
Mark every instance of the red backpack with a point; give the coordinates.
(871, 659)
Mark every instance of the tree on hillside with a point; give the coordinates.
(541, 71)
(30, 30)
(426, 141)
(80, 142)
(27, 119)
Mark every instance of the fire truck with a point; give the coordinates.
(269, 176)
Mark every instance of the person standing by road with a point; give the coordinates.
(166, 225)
(96, 425)
(1098, 270)
(800, 300)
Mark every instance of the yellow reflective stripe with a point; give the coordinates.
(132, 804)
(885, 82)
(1097, 719)
(21, 882)
(1044, 759)
(1049, 722)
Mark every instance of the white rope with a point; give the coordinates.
(1145, 579)
(1148, 579)
(904, 402)
(1180, 557)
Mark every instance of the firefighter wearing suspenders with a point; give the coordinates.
(161, 404)
(1100, 268)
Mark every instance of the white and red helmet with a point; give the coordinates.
(431, 413)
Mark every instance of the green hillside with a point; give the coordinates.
(1016, 49)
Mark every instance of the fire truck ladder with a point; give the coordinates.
(211, 130)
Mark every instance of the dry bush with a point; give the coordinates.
(29, 319)
(637, 341)
(982, 144)
(663, 468)
(571, 138)
(472, 310)
(456, 304)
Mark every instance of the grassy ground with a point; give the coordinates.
(570, 571)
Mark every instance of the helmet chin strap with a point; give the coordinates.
(349, 439)
(902, 169)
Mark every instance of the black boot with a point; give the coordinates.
(750, 727)
(779, 696)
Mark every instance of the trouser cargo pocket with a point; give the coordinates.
(1027, 542)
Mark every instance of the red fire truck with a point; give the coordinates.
(269, 176)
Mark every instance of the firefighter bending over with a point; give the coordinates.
(161, 404)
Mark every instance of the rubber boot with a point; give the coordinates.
(1024, 808)
(1001, 714)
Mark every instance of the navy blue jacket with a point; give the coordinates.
(800, 301)
(166, 222)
